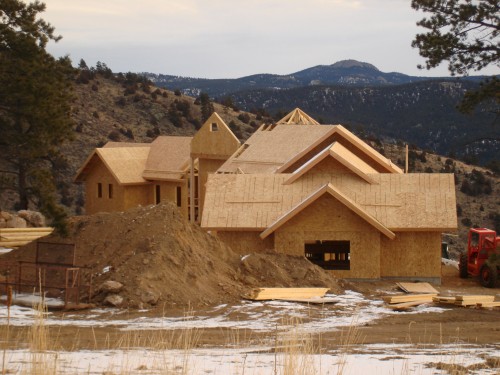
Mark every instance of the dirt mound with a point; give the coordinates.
(162, 259)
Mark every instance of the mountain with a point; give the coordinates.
(346, 73)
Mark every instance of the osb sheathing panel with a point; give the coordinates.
(246, 242)
(205, 167)
(399, 201)
(168, 193)
(328, 219)
(411, 254)
(214, 144)
(136, 195)
(93, 204)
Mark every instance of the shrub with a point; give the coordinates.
(467, 222)
(244, 117)
(114, 136)
(177, 92)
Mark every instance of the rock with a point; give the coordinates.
(16, 222)
(5, 215)
(113, 300)
(33, 218)
(111, 286)
(150, 298)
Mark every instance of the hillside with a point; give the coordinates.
(423, 114)
(127, 109)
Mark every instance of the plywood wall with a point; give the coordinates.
(412, 255)
(214, 140)
(168, 193)
(246, 242)
(205, 167)
(121, 197)
(327, 219)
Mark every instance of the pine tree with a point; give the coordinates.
(465, 33)
(35, 94)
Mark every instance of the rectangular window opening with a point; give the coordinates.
(214, 127)
(179, 196)
(110, 191)
(157, 194)
(330, 255)
(99, 190)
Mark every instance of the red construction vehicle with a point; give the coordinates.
(482, 258)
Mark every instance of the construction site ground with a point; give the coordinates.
(180, 282)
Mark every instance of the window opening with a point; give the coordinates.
(110, 191)
(179, 196)
(330, 255)
(214, 127)
(99, 190)
(157, 194)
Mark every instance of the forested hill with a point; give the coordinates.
(345, 73)
(422, 113)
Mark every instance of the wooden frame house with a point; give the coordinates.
(321, 192)
(123, 175)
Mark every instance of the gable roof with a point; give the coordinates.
(283, 149)
(214, 140)
(272, 145)
(126, 164)
(358, 147)
(340, 154)
(337, 194)
(167, 159)
(297, 117)
(400, 202)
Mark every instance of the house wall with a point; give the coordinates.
(205, 167)
(411, 255)
(246, 242)
(168, 192)
(328, 219)
(123, 197)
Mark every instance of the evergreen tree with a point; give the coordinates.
(207, 108)
(35, 94)
(465, 33)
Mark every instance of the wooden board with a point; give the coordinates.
(444, 299)
(407, 305)
(403, 298)
(478, 297)
(489, 304)
(314, 300)
(473, 300)
(260, 294)
(417, 288)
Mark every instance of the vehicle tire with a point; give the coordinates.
(488, 276)
(462, 267)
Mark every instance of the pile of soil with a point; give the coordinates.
(162, 259)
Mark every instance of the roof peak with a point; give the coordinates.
(297, 117)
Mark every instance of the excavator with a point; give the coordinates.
(482, 258)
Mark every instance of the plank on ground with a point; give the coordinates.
(444, 299)
(417, 288)
(26, 230)
(477, 297)
(259, 294)
(489, 304)
(407, 305)
(401, 298)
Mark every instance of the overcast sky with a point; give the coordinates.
(234, 38)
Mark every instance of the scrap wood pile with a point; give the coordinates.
(305, 295)
(430, 295)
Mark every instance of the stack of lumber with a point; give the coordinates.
(15, 237)
(405, 301)
(481, 301)
(307, 295)
(422, 288)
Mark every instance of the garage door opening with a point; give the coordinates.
(330, 255)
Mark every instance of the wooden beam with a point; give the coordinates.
(260, 294)
(403, 298)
